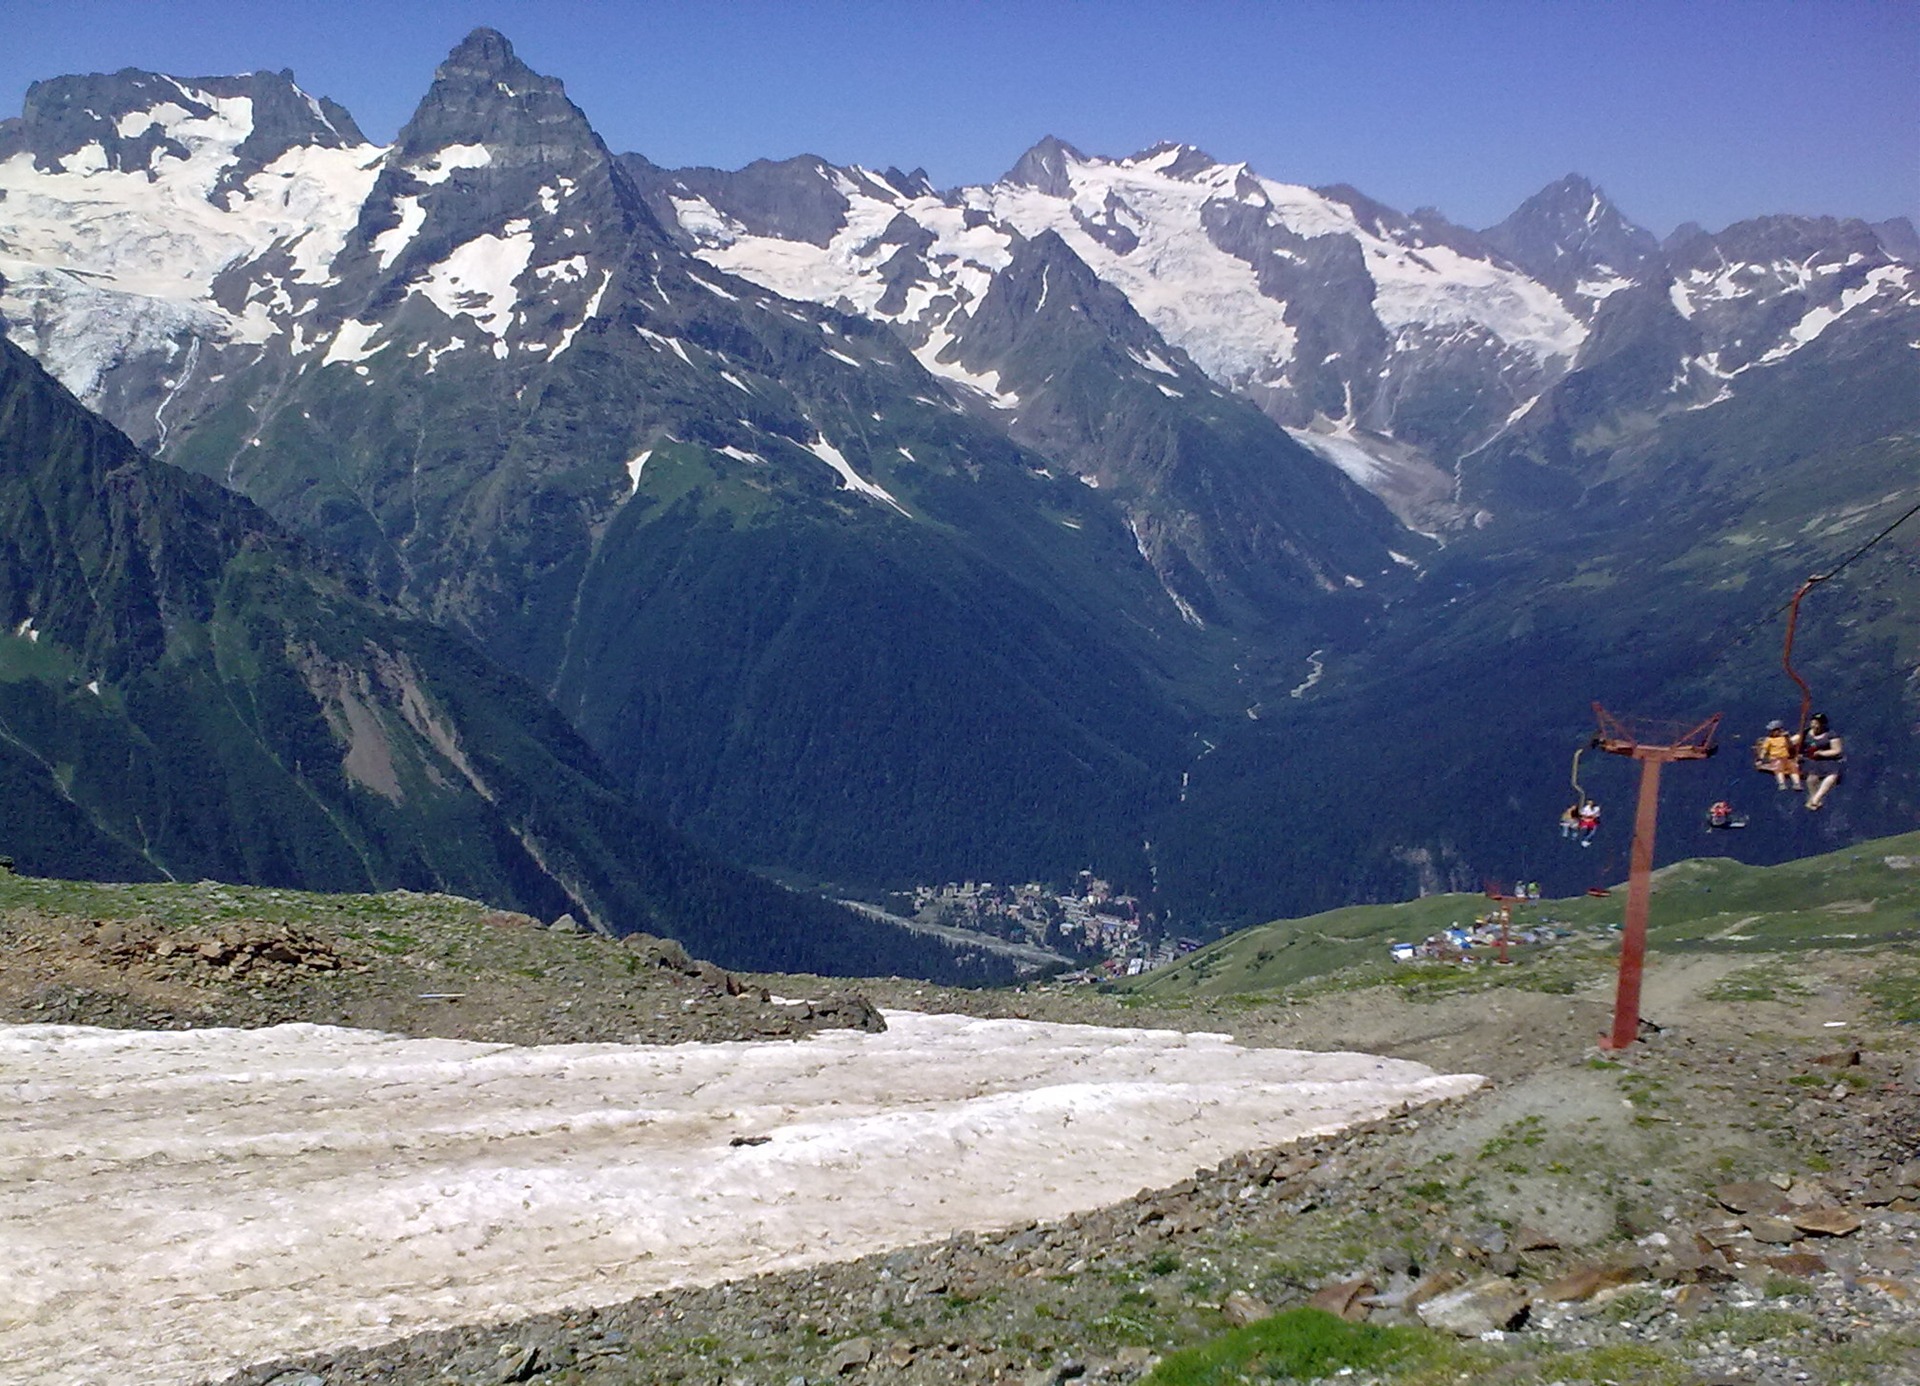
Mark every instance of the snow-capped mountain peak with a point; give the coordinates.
(1330, 311)
(1571, 237)
(1044, 167)
(130, 196)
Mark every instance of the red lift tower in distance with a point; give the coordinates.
(1653, 745)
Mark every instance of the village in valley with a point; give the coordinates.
(1110, 934)
(1089, 921)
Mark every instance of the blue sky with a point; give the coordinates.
(1707, 111)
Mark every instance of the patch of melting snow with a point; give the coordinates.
(477, 279)
(851, 479)
(177, 1205)
(634, 467)
(1316, 667)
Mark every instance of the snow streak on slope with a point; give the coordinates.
(177, 1205)
(128, 258)
(851, 479)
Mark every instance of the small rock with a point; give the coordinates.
(1589, 1281)
(1241, 1309)
(1343, 1299)
(567, 924)
(851, 1355)
(1482, 1307)
(1769, 1229)
(1825, 1222)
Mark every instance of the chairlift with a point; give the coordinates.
(1790, 764)
(1722, 816)
(1580, 820)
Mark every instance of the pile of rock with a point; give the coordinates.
(256, 950)
(777, 1018)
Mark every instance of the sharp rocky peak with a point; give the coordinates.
(1044, 167)
(1573, 201)
(1569, 228)
(484, 94)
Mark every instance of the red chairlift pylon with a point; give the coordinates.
(1503, 914)
(1652, 747)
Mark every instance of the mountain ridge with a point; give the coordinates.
(188, 691)
(883, 534)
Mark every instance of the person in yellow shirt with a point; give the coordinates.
(1773, 753)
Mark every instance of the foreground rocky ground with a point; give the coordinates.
(424, 965)
(1736, 1200)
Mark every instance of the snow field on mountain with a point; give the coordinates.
(1361, 465)
(160, 237)
(126, 260)
(845, 271)
(178, 1204)
(1195, 294)
(477, 278)
(1141, 227)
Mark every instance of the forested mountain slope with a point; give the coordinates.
(186, 691)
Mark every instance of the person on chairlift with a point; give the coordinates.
(1773, 753)
(1823, 760)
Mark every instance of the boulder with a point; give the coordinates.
(1343, 1299)
(1429, 1286)
(851, 1355)
(1241, 1309)
(1766, 1228)
(1800, 1263)
(1589, 1281)
(1826, 1222)
(1527, 1238)
(1753, 1197)
(661, 952)
(1482, 1307)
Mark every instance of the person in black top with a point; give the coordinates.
(1823, 758)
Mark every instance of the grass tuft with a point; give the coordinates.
(1298, 1345)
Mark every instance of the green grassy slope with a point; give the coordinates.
(1856, 897)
